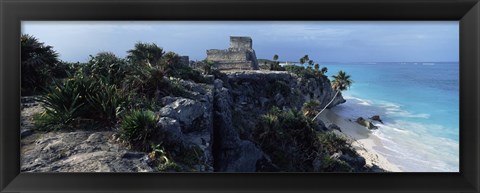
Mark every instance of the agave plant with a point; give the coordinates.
(137, 127)
(63, 103)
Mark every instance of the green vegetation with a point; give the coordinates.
(96, 94)
(275, 65)
(288, 138)
(39, 65)
(293, 144)
(137, 127)
(309, 108)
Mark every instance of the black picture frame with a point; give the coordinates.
(12, 12)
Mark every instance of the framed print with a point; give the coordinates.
(240, 96)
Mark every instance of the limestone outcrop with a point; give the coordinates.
(214, 119)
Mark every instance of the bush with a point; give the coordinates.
(288, 138)
(79, 102)
(310, 108)
(64, 103)
(304, 72)
(137, 127)
(335, 165)
(106, 104)
(106, 67)
(332, 143)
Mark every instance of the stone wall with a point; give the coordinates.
(226, 55)
(243, 43)
(240, 55)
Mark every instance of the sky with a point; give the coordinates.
(323, 41)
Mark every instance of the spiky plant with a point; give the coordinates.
(137, 127)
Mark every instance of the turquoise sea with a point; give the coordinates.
(419, 105)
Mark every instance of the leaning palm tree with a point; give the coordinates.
(340, 82)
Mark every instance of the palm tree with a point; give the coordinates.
(324, 70)
(275, 57)
(340, 82)
(145, 53)
(305, 58)
(38, 61)
(317, 67)
(302, 60)
(310, 62)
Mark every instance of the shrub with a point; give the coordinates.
(137, 127)
(106, 67)
(335, 165)
(64, 103)
(106, 104)
(289, 138)
(160, 158)
(333, 143)
(302, 71)
(310, 108)
(76, 102)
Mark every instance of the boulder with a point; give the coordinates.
(334, 127)
(376, 118)
(321, 126)
(186, 111)
(366, 123)
(169, 131)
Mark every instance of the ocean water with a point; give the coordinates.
(419, 105)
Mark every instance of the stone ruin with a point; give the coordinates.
(240, 55)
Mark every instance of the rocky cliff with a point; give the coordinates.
(214, 122)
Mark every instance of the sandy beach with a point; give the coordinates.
(362, 140)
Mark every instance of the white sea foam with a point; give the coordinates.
(413, 146)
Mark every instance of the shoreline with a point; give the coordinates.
(361, 140)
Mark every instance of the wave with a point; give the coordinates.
(413, 146)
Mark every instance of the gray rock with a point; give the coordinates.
(184, 110)
(376, 118)
(356, 162)
(366, 123)
(25, 133)
(80, 151)
(231, 153)
(334, 127)
(279, 100)
(321, 126)
(169, 131)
